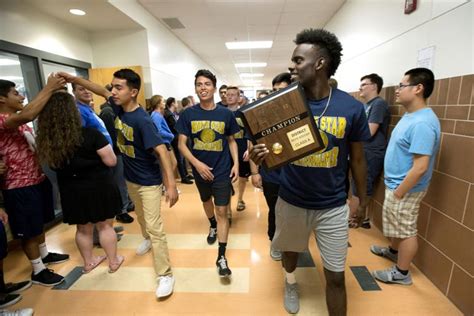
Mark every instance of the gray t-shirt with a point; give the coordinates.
(377, 112)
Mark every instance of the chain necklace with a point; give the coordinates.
(325, 108)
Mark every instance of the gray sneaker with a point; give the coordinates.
(392, 275)
(292, 300)
(275, 254)
(384, 252)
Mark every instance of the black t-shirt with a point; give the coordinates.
(377, 112)
(86, 161)
(108, 116)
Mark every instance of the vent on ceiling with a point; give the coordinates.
(173, 23)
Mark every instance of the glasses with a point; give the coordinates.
(365, 84)
(401, 85)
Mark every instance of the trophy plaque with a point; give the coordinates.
(284, 123)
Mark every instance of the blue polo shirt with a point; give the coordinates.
(92, 120)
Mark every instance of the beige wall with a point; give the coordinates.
(446, 220)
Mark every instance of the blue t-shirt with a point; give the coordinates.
(90, 119)
(208, 132)
(162, 127)
(270, 176)
(317, 181)
(240, 136)
(137, 137)
(416, 133)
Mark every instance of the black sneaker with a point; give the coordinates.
(15, 288)
(53, 258)
(190, 177)
(124, 218)
(222, 267)
(47, 277)
(212, 237)
(8, 299)
(187, 181)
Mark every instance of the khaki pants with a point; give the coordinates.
(147, 201)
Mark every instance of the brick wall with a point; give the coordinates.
(446, 220)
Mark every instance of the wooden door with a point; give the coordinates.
(104, 76)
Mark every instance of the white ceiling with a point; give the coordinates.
(101, 15)
(211, 23)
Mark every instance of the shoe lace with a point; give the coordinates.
(222, 263)
(292, 292)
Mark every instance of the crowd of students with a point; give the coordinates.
(128, 154)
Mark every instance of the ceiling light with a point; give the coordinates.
(8, 62)
(249, 45)
(250, 65)
(77, 12)
(250, 75)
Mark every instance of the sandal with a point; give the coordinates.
(240, 206)
(91, 266)
(113, 267)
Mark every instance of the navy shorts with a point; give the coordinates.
(374, 170)
(29, 208)
(3, 242)
(219, 190)
(244, 169)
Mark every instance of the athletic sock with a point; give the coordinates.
(37, 265)
(213, 222)
(290, 277)
(222, 247)
(43, 250)
(404, 272)
(392, 250)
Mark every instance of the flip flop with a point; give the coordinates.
(113, 267)
(91, 266)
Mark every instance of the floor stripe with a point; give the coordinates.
(187, 241)
(365, 279)
(305, 260)
(69, 279)
(143, 279)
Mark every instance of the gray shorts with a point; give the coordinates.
(294, 226)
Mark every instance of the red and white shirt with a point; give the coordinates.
(17, 152)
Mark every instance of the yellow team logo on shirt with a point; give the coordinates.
(208, 135)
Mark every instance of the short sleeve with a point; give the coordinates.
(377, 112)
(117, 109)
(183, 126)
(98, 140)
(150, 135)
(233, 126)
(423, 139)
(360, 128)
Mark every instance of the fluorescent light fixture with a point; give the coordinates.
(250, 75)
(8, 62)
(249, 45)
(250, 65)
(12, 78)
(77, 12)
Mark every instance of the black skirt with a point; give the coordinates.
(89, 199)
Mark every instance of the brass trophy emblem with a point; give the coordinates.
(277, 148)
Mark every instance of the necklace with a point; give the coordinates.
(325, 108)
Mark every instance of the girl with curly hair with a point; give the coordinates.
(82, 158)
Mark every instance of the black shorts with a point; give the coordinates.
(244, 169)
(29, 208)
(3, 242)
(219, 190)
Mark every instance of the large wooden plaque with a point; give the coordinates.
(284, 123)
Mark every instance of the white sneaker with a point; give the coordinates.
(144, 247)
(18, 312)
(165, 286)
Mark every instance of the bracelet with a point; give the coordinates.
(254, 173)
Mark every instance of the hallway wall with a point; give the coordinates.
(446, 219)
(378, 37)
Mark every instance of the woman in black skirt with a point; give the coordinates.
(82, 158)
